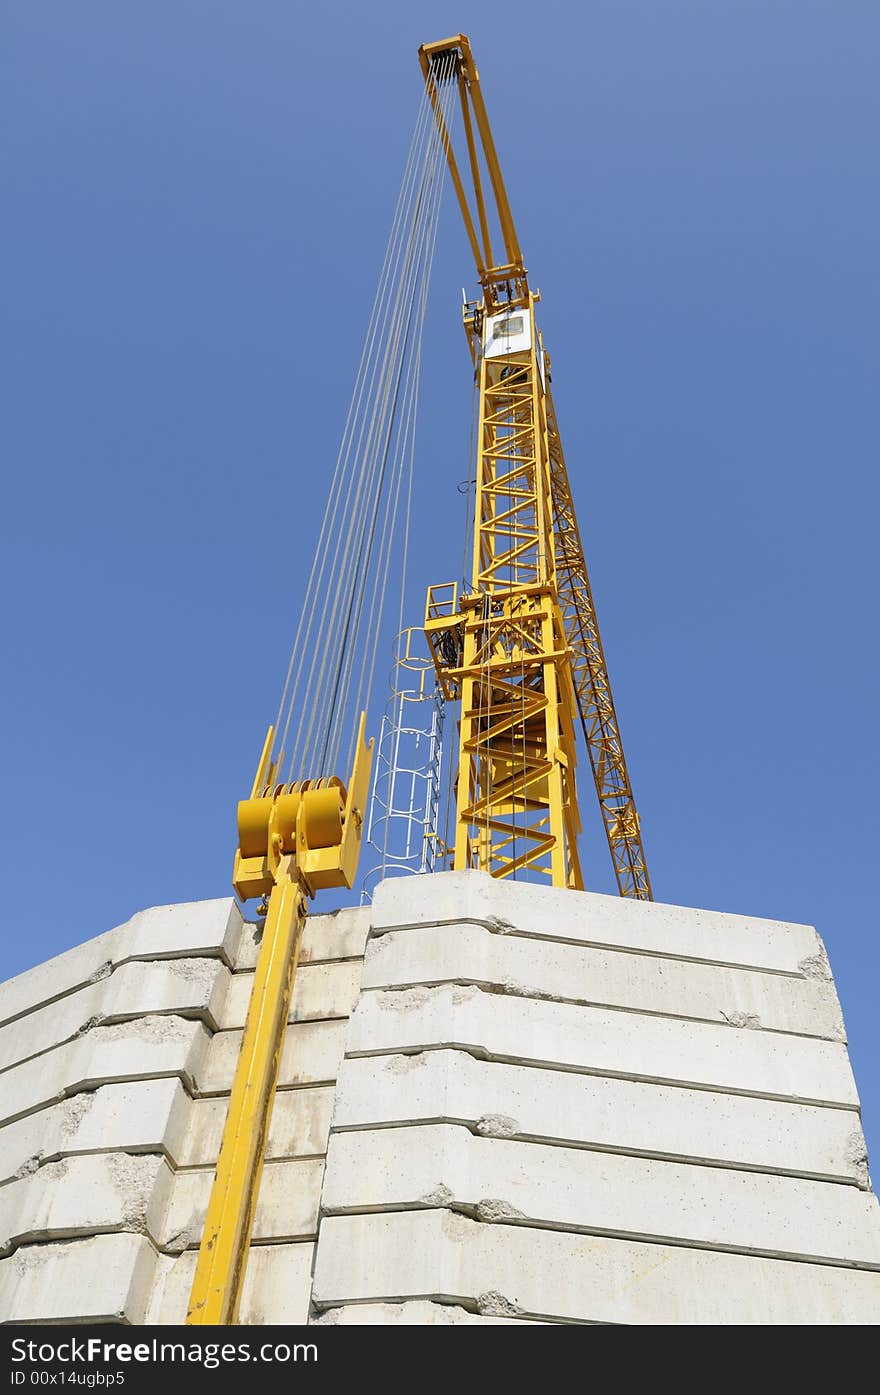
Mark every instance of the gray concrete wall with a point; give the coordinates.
(116, 1061)
(563, 1107)
(541, 1106)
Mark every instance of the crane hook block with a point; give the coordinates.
(310, 829)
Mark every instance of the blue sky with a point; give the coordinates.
(196, 200)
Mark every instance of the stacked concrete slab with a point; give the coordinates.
(116, 1061)
(563, 1107)
(546, 1106)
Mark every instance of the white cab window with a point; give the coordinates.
(508, 332)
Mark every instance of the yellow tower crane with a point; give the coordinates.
(519, 647)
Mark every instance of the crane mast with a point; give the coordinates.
(520, 645)
(501, 648)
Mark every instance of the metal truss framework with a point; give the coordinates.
(592, 685)
(516, 805)
(522, 648)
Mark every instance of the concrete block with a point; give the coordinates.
(412, 1315)
(607, 1113)
(320, 991)
(185, 987)
(146, 1049)
(300, 1126)
(603, 1042)
(339, 935)
(468, 953)
(85, 963)
(188, 930)
(277, 1286)
(86, 1195)
(607, 1193)
(518, 1270)
(311, 1055)
(287, 1208)
(107, 1278)
(589, 918)
(194, 929)
(144, 1116)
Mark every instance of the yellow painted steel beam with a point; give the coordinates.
(505, 217)
(431, 84)
(222, 1261)
(499, 280)
(475, 174)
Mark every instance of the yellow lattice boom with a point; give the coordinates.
(521, 646)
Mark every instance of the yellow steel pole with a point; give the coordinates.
(431, 84)
(219, 1276)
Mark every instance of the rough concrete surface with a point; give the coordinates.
(319, 991)
(277, 1286)
(141, 1116)
(300, 1126)
(108, 1278)
(603, 1041)
(581, 974)
(339, 935)
(287, 1208)
(412, 1315)
(86, 1195)
(310, 1055)
(507, 1180)
(193, 929)
(115, 1100)
(141, 1050)
(577, 1278)
(589, 918)
(194, 988)
(601, 1112)
(547, 1107)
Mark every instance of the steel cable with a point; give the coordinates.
(330, 674)
(288, 698)
(396, 387)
